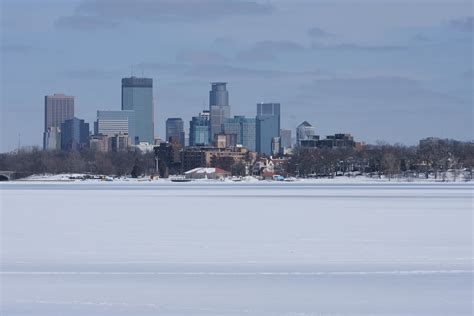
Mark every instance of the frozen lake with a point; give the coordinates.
(236, 249)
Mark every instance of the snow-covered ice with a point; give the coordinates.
(160, 248)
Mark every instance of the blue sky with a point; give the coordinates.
(394, 70)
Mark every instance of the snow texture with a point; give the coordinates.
(257, 248)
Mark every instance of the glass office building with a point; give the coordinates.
(218, 106)
(268, 126)
(74, 134)
(137, 95)
(199, 130)
(175, 130)
(244, 129)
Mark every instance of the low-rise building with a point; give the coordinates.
(207, 173)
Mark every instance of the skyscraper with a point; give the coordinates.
(57, 109)
(137, 95)
(304, 131)
(74, 134)
(268, 126)
(218, 106)
(175, 130)
(199, 130)
(243, 128)
(111, 123)
(285, 135)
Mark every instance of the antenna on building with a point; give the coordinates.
(131, 75)
(19, 141)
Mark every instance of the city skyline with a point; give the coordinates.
(396, 79)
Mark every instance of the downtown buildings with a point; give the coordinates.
(57, 109)
(175, 130)
(137, 95)
(268, 128)
(219, 107)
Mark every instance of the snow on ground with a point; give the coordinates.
(261, 248)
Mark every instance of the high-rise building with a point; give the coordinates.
(268, 126)
(285, 138)
(199, 130)
(52, 139)
(57, 109)
(218, 106)
(244, 129)
(137, 95)
(304, 131)
(74, 134)
(175, 130)
(111, 123)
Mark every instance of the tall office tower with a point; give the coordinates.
(52, 139)
(74, 134)
(57, 109)
(268, 126)
(199, 130)
(244, 129)
(111, 123)
(218, 106)
(175, 130)
(285, 135)
(137, 95)
(304, 131)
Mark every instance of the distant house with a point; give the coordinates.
(206, 173)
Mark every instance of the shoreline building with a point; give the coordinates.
(267, 127)
(244, 129)
(137, 95)
(57, 109)
(304, 131)
(199, 129)
(219, 107)
(175, 130)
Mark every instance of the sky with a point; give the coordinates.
(382, 70)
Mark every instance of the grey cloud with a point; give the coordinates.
(421, 38)
(16, 48)
(349, 47)
(265, 50)
(204, 57)
(463, 24)
(381, 93)
(107, 13)
(88, 74)
(223, 71)
(317, 32)
(83, 22)
(468, 74)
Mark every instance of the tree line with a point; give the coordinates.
(432, 158)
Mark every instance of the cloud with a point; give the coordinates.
(91, 14)
(83, 22)
(16, 48)
(203, 57)
(223, 71)
(468, 74)
(381, 94)
(463, 24)
(317, 32)
(350, 47)
(88, 74)
(421, 38)
(266, 50)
